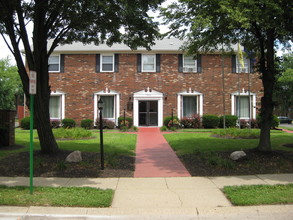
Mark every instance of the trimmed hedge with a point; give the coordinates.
(168, 121)
(274, 123)
(68, 123)
(128, 122)
(190, 122)
(210, 121)
(230, 121)
(25, 123)
(87, 123)
(106, 124)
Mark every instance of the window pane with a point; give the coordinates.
(189, 64)
(107, 63)
(148, 67)
(189, 106)
(148, 62)
(108, 110)
(53, 62)
(55, 107)
(107, 67)
(107, 59)
(241, 69)
(243, 106)
(54, 67)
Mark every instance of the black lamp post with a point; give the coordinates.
(100, 107)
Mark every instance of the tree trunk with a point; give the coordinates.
(267, 67)
(42, 98)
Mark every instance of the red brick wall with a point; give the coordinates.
(80, 80)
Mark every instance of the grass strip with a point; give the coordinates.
(259, 194)
(55, 196)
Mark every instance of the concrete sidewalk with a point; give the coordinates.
(156, 198)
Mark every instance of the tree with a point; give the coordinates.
(10, 85)
(284, 85)
(257, 24)
(66, 21)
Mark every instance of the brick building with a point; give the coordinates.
(148, 84)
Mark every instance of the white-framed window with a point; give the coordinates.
(54, 63)
(108, 106)
(111, 105)
(57, 105)
(243, 106)
(107, 63)
(148, 62)
(239, 68)
(189, 103)
(189, 64)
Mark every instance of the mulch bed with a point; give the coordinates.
(255, 163)
(197, 164)
(55, 165)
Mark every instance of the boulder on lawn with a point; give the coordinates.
(75, 156)
(237, 155)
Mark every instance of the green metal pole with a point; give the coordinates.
(31, 142)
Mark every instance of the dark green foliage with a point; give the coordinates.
(25, 123)
(55, 123)
(168, 121)
(106, 124)
(274, 121)
(128, 122)
(68, 123)
(190, 122)
(230, 121)
(210, 121)
(87, 123)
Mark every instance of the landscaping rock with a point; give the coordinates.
(74, 157)
(237, 155)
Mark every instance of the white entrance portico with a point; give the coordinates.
(148, 108)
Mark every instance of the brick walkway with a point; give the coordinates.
(155, 157)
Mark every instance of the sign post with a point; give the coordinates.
(32, 91)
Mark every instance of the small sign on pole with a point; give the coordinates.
(33, 83)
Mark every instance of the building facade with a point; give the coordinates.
(149, 85)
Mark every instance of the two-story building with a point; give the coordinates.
(149, 85)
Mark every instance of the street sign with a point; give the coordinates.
(33, 83)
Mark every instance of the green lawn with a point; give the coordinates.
(56, 196)
(259, 194)
(114, 143)
(187, 143)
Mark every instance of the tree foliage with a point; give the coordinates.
(257, 24)
(66, 21)
(10, 85)
(284, 86)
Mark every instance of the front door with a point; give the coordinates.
(148, 113)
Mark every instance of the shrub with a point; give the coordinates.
(168, 121)
(55, 123)
(190, 122)
(164, 128)
(210, 121)
(254, 123)
(25, 123)
(106, 123)
(274, 123)
(230, 121)
(68, 123)
(73, 133)
(244, 123)
(237, 133)
(129, 121)
(87, 124)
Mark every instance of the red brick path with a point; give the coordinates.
(155, 157)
